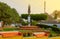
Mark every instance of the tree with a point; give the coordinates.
(56, 14)
(8, 14)
(15, 17)
(36, 17)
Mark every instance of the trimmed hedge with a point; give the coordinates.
(53, 32)
(35, 16)
(55, 29)
(9, 29)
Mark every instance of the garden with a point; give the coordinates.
(9, 16)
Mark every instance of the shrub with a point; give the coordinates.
(54, 30)
(43, 26)
(24, 23)
(34, 23)
(54, 25)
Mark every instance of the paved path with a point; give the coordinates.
(55, 37)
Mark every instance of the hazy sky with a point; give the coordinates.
(37, 6)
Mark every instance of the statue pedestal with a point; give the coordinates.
(32, 28)
(29, 30)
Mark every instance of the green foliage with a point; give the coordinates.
(8, 14)
(9, 29)
(56, 14)
(43, 26)
(54, 29)
(15, 16)
(25, 16)
(54, 25)
(36, 17)
(24, 23)
(34, 23)
(52, 33)
(26, 33)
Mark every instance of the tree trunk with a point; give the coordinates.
(3, 23)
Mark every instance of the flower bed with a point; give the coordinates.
(10, 34)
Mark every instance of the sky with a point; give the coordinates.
(37, 6)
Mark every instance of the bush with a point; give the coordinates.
(43, 26)
(57, 30)
(24, 23)
(34, 23)
(52, 33)
(53, 29)
(54, 25)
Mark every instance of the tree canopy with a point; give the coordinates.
(36, 17)
(56, 14)
(8, 14)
